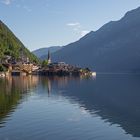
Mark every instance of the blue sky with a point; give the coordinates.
(44, 23)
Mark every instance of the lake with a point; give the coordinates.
(70, 108)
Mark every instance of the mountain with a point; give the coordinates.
(115, 47)
(11, 45)
(42, 52)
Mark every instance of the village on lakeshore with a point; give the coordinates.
(23, 67)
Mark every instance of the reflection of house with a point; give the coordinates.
(11, 89)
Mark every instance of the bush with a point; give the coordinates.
(44, 63)
(2, 68)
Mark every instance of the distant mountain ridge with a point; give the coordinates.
(115, 47)
(11, 45)
(42, 52)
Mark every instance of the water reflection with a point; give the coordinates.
(115, 98)
(12, 90)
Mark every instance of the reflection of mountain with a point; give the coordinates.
(12, 92)
(114, 98)
(47, 82)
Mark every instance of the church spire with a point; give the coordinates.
(49, 57)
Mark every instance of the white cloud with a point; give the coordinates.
(74, 24)
(7, 2)
(84, 32)
(77, 28)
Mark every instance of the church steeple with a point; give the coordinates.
(49, 57)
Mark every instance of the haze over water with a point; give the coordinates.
(70, 108)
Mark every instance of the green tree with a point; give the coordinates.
(44, 63)
(2, 68)
(11, 45)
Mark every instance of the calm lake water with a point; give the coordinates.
(70, 108)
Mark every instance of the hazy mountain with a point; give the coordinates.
(42, 52)
(115, 47)
(11, 45)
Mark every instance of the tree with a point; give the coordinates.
(44, 63)
(2, 68)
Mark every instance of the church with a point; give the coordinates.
(49, 57)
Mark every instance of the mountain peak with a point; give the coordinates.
(132, 13)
